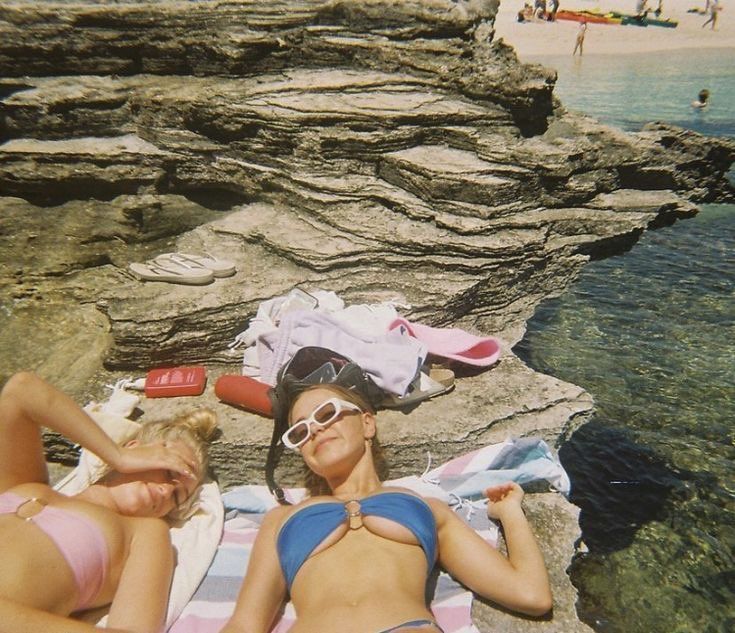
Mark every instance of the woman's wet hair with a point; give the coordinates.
(316, 485)
(703, 95)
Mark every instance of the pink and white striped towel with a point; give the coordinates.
(459, 482)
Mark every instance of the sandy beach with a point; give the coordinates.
(537, 38)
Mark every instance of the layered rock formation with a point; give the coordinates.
(386, 150)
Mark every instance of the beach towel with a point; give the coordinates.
(459, 483)
(196, 539)
(453, 344)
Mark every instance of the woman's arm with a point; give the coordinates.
(16, 617)
(141, 598)
(28, 403)
(264, 588)
(520, 581)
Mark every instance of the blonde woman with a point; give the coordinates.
(356, 555)
(107, 545)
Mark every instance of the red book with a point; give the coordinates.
(175, 381)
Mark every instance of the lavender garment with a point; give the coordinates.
(392, 359)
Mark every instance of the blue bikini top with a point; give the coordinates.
(305, 529)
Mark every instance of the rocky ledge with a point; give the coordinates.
(386, 150)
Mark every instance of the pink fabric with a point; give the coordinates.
(458, 465)
(79, 540)
(452, 343)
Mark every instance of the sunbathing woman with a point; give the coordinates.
(106, 545)
(355, 555)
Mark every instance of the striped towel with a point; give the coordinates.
(459, 482)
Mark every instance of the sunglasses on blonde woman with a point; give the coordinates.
(326, 414)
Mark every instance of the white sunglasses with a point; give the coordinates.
(326, 414)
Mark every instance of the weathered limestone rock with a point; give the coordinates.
(551, 516)
(383, 149)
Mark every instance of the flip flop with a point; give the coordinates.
(152, 271)
(218, 267)
(428, 385)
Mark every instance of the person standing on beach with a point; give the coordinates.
(579, 43)
(714, 9)
(553, 8)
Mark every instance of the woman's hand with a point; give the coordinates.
(164, 455)
(502, 497)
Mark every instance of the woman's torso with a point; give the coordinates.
(368, 577)
(32, 557)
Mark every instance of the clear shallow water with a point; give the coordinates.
(630, 90)
(651, 334)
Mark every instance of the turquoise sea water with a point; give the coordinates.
(651, 334)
